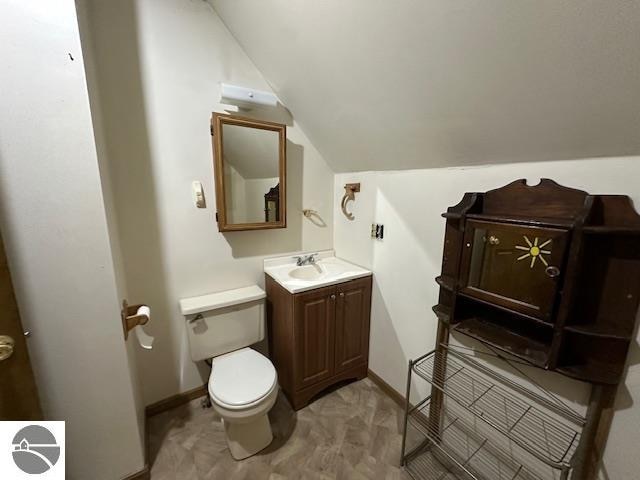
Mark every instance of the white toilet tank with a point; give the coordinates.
(221, 322)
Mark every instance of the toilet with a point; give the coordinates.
(243, 385)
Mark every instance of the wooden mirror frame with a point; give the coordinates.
(217, 122)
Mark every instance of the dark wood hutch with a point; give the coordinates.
(549, 275)
(546, 273)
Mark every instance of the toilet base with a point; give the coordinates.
(246, 439)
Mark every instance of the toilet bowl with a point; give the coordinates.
(243, 384)
(243, 387)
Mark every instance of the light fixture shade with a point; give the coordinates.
(241, 96)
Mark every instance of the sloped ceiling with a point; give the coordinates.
(254, 153)
(395, 84)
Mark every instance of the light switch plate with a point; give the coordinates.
(377, 231)
(198, 195)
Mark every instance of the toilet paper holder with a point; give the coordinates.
(130, 317)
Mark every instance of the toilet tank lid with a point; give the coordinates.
(228, 298)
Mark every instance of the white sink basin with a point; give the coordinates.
(327, 270)
(308, 272)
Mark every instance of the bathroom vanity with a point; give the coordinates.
(318, 320)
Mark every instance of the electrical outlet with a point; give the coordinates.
(377, 231)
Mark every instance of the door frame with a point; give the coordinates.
(19, 399)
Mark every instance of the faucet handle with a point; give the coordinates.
(305, 259)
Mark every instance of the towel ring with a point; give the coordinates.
(350, 194)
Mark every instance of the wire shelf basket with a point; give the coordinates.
(456, 449)
(476, 419)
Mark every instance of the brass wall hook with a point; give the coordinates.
(350, 190)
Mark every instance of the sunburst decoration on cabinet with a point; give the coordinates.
(534, 251)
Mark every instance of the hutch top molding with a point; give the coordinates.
(546, 273)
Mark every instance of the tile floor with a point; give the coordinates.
(353, 432)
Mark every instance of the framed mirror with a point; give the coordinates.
(250, 163)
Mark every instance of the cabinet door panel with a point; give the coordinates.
(518, 267)
(314, 336)
(352, 323)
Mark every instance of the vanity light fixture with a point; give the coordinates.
(246, 97)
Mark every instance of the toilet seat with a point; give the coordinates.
(241, 379)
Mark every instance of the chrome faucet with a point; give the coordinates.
(306, 259)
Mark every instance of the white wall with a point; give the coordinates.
(245, 196)
(256, 188)
(53, 221)
(236, 195)
(405, 263)
(109, 200)
(159, 64)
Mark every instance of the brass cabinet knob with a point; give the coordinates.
(333, 296)
(493, 240)
(6, 347)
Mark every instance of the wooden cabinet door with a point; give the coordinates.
(314, 336)
(515, 266)
(18, 392)
(353, 308)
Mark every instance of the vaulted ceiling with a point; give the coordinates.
(394, 84)
(251, 151)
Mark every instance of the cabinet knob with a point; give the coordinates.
(493, 240)
(342, 294)
(333, 296)
(552, 271)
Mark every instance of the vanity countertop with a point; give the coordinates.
(327, 270)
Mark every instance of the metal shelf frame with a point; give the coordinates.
(457, 448)
(465, 393)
